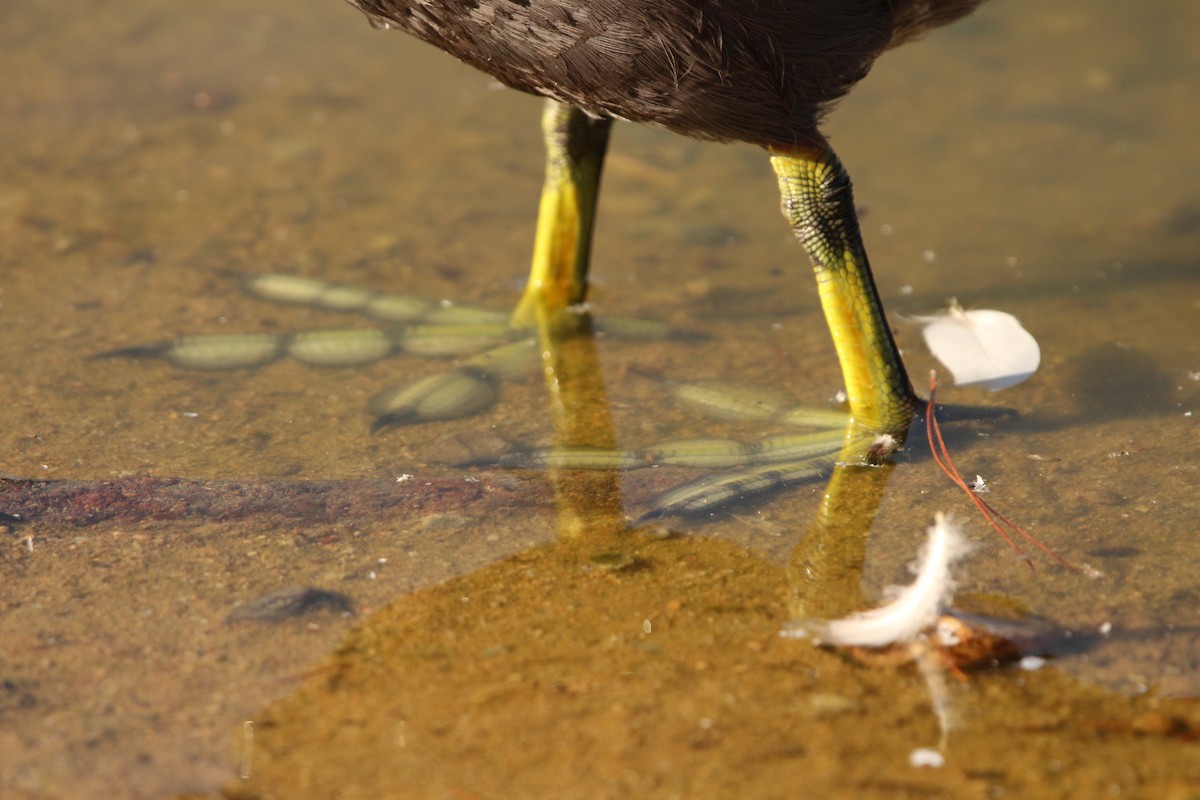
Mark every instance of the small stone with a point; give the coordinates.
(1156, 723)
(289, 602)
(926, 757)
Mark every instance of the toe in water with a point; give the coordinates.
(443, 396)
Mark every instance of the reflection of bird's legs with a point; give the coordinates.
(588, 499)
(825, 574)
(825, 569)
(575, 147)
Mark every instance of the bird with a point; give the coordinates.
(765, 72)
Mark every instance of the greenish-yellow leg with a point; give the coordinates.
(818, 204)
(575, 147)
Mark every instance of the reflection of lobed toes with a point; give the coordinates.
(444, 396)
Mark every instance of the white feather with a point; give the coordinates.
(981, 347)
(915, 607)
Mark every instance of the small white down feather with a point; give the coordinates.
(913, 609)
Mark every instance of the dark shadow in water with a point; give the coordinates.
(618, 662)
(1111, 381)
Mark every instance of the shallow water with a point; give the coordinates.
(1041, 162)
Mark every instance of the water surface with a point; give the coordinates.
(1041, 161)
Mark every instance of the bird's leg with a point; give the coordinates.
(818, 204)
(575, 147)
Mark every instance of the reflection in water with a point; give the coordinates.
(551, 675)
(143, 170)
(617, 662)
(492, 351)
(825, 569)
(587, 500)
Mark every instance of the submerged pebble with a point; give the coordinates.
(926, 757)
(290, 602)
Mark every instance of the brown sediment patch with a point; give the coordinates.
(142, 498)
(550, 675)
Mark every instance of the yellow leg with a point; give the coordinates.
(819, 206)
(575, 147)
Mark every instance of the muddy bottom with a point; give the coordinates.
(223, 583)
(549, 675)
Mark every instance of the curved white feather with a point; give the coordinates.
(916, 606)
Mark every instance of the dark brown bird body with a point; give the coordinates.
(759, 71)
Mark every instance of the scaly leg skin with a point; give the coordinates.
(575, 147)
(818, 204)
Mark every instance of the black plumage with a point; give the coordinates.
(759, 71)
